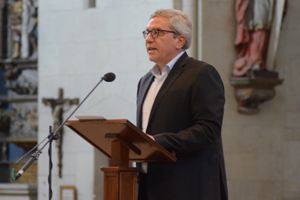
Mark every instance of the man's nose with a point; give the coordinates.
(149, 38)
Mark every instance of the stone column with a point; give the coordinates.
(24, 37)
(191, 8)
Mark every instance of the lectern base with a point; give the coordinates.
(120, 183)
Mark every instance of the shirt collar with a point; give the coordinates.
(156, 70)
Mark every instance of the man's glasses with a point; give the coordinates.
(155, 32)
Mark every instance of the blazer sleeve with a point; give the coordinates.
(206, 110)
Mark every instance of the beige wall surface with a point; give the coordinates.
(78, 45)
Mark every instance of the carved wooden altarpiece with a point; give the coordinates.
(18, 82)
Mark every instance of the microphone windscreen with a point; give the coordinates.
(109, 77)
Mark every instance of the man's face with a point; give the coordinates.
(164, 48)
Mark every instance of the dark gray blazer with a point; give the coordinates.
(186, 117)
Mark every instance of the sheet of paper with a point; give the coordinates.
(89, 117)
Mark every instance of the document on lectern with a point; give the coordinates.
(90, 117)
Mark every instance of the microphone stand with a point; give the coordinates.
(50, 162)
(55, 136)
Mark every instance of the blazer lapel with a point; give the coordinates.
(143, 90)
(174, 73)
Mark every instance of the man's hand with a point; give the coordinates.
(151, 137)
(172, 152)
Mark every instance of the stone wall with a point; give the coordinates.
(261, 150)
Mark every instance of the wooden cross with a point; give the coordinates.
(58, 107)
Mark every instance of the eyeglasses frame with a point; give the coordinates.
(146, 33)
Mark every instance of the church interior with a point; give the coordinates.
(53, 53)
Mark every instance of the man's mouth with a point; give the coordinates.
(149, 49)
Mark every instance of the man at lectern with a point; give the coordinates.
(180, 105)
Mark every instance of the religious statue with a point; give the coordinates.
(21, 81)
(23, 23)
(29, 29)
(254, 20)
(259, 23)
(27, 82)
(16, 37)
(16, 21)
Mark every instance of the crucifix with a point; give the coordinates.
(58, 107)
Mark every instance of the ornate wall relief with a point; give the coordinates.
(19, 78)
(24, 120)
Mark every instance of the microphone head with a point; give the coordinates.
(109, 77)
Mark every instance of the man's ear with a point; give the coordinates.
(181, 41)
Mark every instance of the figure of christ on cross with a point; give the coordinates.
(58, 107)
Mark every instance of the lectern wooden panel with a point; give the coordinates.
(122, 142)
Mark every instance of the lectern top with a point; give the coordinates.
(100, 134)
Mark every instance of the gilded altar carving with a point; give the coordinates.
(24, 120)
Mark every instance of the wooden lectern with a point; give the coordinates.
(121, 141)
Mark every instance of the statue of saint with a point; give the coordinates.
(29, 29)
(16, 21)
(254, 20)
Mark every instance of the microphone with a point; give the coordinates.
(33, 158)
(109, 77)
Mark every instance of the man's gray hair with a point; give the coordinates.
(180, 22)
